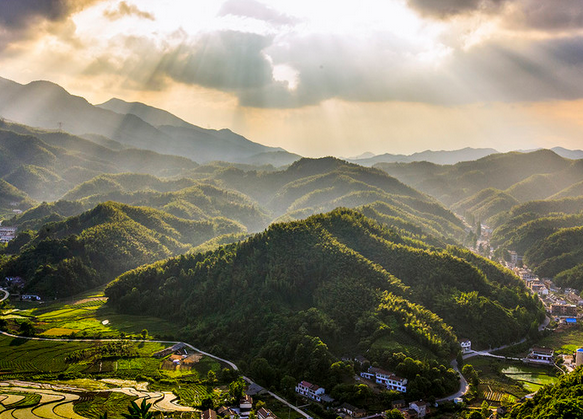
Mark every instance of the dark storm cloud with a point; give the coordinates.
(256, 10)
(557, 15)
(124, 9)
(19, 18)
(443, 9)
(226, 60)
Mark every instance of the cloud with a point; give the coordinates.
(19, 19)
(256, 10)
(444, 9)
(124, 9)
(553, 16)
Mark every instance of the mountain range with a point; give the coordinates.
(46, 105)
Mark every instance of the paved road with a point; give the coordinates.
(544, 324)
(6, 294)
(463, 385)
(229, 363)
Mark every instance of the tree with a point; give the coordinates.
(485, 409)
(26, 328)
(394, 414)
(471, 374)
(139, 412)
(211, 376)
(476, 414)
(236, 388)
(144, 333)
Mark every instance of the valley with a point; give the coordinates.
(319, 286)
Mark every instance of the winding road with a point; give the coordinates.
(464, 384)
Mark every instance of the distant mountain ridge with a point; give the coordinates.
(47, 105)
(437, 157)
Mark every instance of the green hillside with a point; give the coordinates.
(80, 252)
(46, 164)
(563, 400)
(311, 186)
(484, 204)
(549, 235)
(12, 198)
(451, 184)
(339, 282)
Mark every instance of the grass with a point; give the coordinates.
(565, 341)
(22, 358)
(93, 405)
(532, 378)
(492, 380)
(192, 395)
(29, 400)
(84, 316)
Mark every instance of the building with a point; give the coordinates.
(466, 345)
(245, 405)
(386, 378)
(170, 350)
(226, 412)
(209, 414)
(515, 258)
(540, 355)
(579, 357)
(398, 404)
(539, 288)
(30, 297)
(7, 233)
(569, 310)
(264, 413)
(310, 390)
(421, 407)
(352, 411)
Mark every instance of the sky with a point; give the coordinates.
(320, 77)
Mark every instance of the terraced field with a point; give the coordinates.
(34, 400)
(87, 315)
(23, 358)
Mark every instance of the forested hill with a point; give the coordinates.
(66, 257)
(47, 164)
(481, 189)
(339, 278)
(549, 234)
(256, 198)
(311, 186)
(563, 400)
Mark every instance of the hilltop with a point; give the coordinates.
(68, 256)
(332, 284)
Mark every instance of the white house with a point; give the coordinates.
(466, 345)
(388, 379)
(420, 407)
(540, 355)
(310, 390)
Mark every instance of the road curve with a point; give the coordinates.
(463, 385)
(229, 363)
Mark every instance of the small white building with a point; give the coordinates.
(310, 390)
(388, 379)
(540, 355)
(420, 407)
(466, 345)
